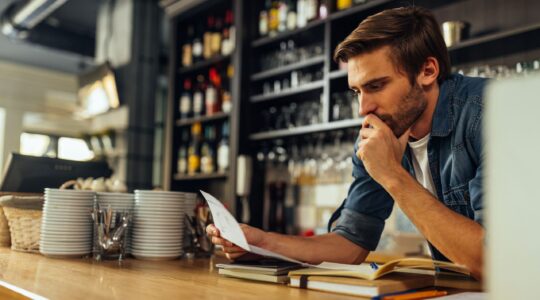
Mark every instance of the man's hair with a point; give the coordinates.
(412, 33)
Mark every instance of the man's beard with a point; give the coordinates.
(410, 108)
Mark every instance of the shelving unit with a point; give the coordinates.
(519, 37)
(203, 119)
(221, 184)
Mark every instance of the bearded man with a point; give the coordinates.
(420, 146)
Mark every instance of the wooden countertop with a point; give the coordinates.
(134, 279)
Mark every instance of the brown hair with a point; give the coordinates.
(412, 33)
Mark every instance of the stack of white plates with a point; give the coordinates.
(158, 224)
(119, 202)
(66, 226)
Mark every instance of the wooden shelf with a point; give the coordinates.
(288, 68)
(495, 36)
(189, 121)
(305, 129)
(203, 64)
(281, 36)
(308, 87)
(200, 176)
(357, 9)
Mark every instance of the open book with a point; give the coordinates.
(230, 230)
(371, 272)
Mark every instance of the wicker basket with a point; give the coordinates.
(5, 236)
(25, 227)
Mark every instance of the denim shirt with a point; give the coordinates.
(455, 159)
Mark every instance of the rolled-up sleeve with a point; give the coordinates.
(362, 215)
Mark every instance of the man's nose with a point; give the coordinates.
(366, 105)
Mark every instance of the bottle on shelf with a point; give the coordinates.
(208, 37)
(194, 150)
(198, 97)
(301, 17)
(223, 149)
(187, 48)
(273, 18)
(283, 9)
(312, 10)
(217, 37)
(185, 106)
(197, 47)
(263, 20)
(229, 35)
(343, 4)
(323, 9)
(213, 90)
(208, 151)
(291, 15)
(182, 161)
(226, 97)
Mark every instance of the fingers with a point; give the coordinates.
(233, 256)
(372, 120)
(366, 133)
(211, 230)
(222, 242)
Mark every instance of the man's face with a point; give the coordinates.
(385, 92)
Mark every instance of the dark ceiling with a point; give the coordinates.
(65, 41)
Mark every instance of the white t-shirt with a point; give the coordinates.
(421, 164)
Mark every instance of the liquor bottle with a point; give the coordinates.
(312, 10)
(283, 9)
(187, 50)
(343, 4)
(263, 21)
(212, 102)
(323, 9)
(198, 97)
(207, 151)
(291, 16)
(229, 35)
(273, 19)
(217, 37)
(197, 47)
(223, 149)
(301, 18)
(226, 97)
(194, 154)
(182, 162)
(208, 37)
(185, 100)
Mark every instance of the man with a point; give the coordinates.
(420, 146)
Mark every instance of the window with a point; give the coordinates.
(74, 149)
(37, 145)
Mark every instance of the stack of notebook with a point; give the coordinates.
(270, 270)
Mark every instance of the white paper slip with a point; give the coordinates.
(226, 223)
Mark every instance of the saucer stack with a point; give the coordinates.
(66, 225)
(119, 202)
(158, 224)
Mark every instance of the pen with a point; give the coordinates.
(374, 266)
(416, 295)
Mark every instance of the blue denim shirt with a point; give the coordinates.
(455, 159)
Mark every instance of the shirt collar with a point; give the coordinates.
(443, 117)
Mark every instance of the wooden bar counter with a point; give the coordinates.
(133, 279)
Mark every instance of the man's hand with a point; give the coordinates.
(253, 235)
(380, 150)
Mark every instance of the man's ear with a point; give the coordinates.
(429, 72)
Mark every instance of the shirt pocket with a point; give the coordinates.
(459, 200)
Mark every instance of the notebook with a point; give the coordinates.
(269, 270)
(396, 282)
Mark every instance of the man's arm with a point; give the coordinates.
(457, 237)
(316, 249)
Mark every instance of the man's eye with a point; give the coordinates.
(375, 86)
